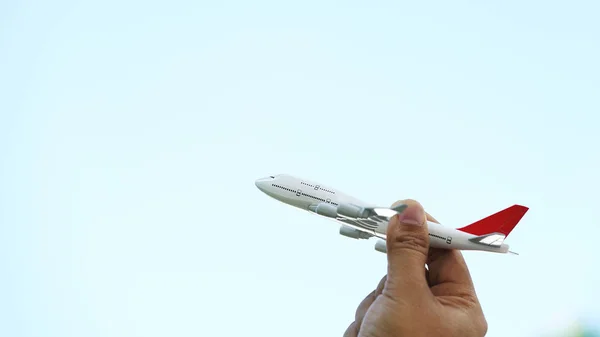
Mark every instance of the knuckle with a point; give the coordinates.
(472, 325)
(477, 325)
(482, 326)
(351, 331)
(361, 311)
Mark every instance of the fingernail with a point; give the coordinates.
(413, 215)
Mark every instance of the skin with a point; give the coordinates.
(426, 292)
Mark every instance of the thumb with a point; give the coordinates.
(407, 250)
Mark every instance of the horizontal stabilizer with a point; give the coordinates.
(494, 239)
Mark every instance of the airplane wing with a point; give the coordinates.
(378, 217)
(387, 211)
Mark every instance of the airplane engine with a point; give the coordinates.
(353, 233)
(352, 211)
(324, 209)
(381, 246)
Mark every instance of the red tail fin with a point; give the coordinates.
(501, 222)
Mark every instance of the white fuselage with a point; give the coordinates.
(303, 193)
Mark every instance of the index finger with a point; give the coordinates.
(447, 266)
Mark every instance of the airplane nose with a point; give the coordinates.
(259, 184)
(262, 183)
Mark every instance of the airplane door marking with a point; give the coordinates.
(298, 192)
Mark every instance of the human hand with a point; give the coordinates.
(413, 301)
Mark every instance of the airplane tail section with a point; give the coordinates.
(502, 222)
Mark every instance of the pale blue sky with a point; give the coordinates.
(131, 134)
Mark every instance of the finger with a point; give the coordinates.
(380, 286)
(431, 219)
(447, 266)
(364, 306)
(448, 272)
(351, 331)
(407, 249)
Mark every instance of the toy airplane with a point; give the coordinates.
(363, 221)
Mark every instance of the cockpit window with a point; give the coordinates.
(272, 177)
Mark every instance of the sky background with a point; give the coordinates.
(131, 134)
